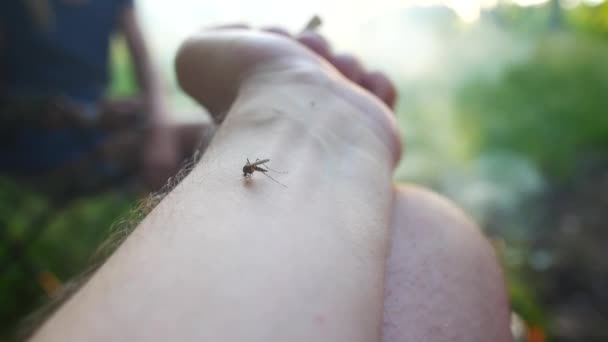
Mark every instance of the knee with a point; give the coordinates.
(436, 230)
(443, 277)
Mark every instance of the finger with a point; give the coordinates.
(378, 84)
(316, 43)
(349, 66)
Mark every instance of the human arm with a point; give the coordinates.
(161, 155)
(146, 74)
(226, 259)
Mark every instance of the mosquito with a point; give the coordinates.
(258, 165)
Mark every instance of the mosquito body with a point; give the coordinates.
(250, 167)
(258, 165)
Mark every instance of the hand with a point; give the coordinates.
(371, 92)
(160, 156)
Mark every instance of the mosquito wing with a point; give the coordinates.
(260, 162)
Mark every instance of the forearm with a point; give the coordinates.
(225, 259)
(147, 77)
(150, 86)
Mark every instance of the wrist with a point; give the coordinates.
(302, 107)
(307, 130)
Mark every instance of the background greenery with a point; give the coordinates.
(518, 139)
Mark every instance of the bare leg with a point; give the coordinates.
(443, 281)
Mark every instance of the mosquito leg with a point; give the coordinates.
(273, 170)
(276, 181)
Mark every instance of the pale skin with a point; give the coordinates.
(341, 254)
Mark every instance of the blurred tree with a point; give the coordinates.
(531, 19)
(590, 18)
(555, 17)
(547, 108)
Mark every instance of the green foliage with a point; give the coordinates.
(532, 19)
(548, 108)
(523, 300)
(122, 75)
(67, 241)
(68, 236)
(591, 19)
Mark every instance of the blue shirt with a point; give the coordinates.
(63, 52)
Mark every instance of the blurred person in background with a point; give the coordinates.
(56, 123)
